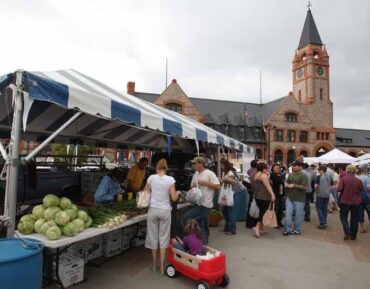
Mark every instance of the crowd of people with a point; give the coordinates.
(295, 188)
(292, 191)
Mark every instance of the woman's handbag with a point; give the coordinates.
(269, 218)
(254, 211)
(194, 196)
(226, 197)
(143, 199)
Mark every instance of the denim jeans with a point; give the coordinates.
(307, 208)
(200, 214)
(352, 228)
(297, 208)
(230, 219)
(364, 207)
(322, 209)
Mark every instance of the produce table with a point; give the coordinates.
(86, 234)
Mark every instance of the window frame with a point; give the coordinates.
(291, 131)
(169, 105)
(291, 117)
(306, 136)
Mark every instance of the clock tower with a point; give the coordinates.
(311, 66)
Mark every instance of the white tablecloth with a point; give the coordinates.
(88, 233)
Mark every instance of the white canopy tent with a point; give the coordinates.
(336, 156)
(362, 160)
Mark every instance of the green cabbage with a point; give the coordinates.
(72, 214)
(50, 201)
(47, 225)
(81, 214)
(62, 218)
(80, 225)
(28, 217)
(74, 207)
(25, 227)
(53, 233)
(49, 213)
(38, 225)
(70, 229)
(88, 222)
(65, 203)
(38, 211)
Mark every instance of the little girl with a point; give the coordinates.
(192, 242)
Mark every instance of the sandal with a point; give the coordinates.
(255, 233)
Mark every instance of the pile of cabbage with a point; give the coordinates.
(54, 218)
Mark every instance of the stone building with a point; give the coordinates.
(299, 124)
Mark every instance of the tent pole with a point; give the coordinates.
(12, 171)
(51, 137)
(218, 161)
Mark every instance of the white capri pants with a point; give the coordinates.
(158, 228)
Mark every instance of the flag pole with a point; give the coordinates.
(261, 119)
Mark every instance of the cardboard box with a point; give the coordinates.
(128, 233)
(78, 250)
(71, 269)
(112, 243)
(94, 248)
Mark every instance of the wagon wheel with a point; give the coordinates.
(171, 272)
(203, 285)
(225, 280)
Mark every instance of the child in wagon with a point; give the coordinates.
(192, 242)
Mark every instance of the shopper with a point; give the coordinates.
(109, 187)
(251, 222)
(135, 179)
(309, 192)
(323, 185)
(278, 183)
(162, 188)
(263, 195)
(295, 187)
(365, 196)
(350, 189)
(228, 211)
(208, 183)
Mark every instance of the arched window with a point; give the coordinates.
(304, 154)
(291, 117)
(353, 154)
(278, 156)
(291, 156)
(174, 107)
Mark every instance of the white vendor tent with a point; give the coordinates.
(336, 156)
(310, 160)
(362, 160)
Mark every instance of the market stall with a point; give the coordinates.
(63, 106)
(335, 156)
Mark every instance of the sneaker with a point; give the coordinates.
(307, 220)
(346, 238)
(296, 233)
(287, 233)
(322, 226)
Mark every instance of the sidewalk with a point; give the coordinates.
(318, 259)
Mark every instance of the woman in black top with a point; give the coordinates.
(278, 181)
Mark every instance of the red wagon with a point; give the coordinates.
(207, 272)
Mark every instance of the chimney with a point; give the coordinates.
(131, 88)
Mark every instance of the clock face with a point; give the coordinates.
(320, 71)
(300, 73)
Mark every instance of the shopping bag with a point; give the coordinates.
(143, 199)
(254, 211)
(226, 197)
(194, 196)
(269, 218)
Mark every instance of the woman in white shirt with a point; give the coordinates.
(162, 187)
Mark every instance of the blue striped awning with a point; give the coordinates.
(52, 97)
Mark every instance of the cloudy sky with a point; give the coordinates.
(215, 48)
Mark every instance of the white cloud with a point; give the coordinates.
(215, 48)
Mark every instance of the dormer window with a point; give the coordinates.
(291, 117)
(174, 107)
